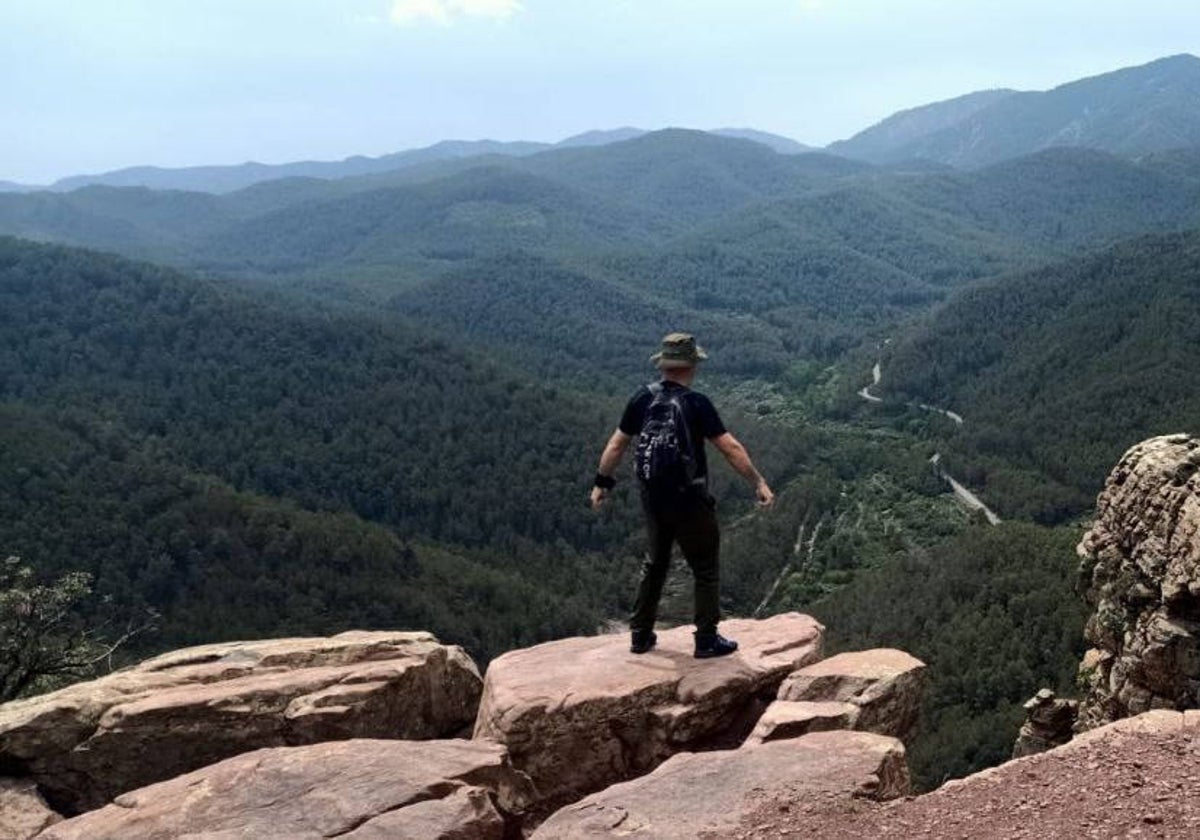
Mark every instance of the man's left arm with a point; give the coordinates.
(739, 459)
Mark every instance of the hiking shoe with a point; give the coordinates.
(643, 641)
(712, 645)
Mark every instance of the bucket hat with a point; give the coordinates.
(679, 350)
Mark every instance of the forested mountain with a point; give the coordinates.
(781, 144)
(224, 179)
(1060, 370)
(230, 178)
(1062, 198)
(1132, 111)
(881, 141)
(655, 193)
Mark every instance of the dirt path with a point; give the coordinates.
(964, 495)
(1129, 786)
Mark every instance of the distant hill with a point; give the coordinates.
(13, 186)
(781, 144)
(881, 141)
(1061, 198)
(223, 179)
(1061, 369)
(1133, 111)
(601, 137)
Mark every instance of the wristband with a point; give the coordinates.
(605, 482)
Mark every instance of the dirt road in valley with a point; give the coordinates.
(964, 495)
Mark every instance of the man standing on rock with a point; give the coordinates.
(670, 423)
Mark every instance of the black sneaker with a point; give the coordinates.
(712, 645)
(643, 641)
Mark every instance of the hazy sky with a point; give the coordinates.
(91, 85)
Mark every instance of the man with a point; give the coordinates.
(671, 423)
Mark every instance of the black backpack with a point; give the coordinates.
(664, 459)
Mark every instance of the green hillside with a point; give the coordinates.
(1060, 370)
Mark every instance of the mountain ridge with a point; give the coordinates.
(1129, 111)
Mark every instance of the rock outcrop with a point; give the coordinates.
(88, 743)
(355, 790)
(883, 686)
(23, 812)
(1049, 722)
(785, 719)
(716, 794)
(1140, 566)
(581, 714)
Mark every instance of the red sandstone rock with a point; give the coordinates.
(89, 742)
(885, 684)
(23, 812)
(793, 718)
(580, 714)
(711, 794)
(354, 790)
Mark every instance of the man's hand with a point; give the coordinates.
(599, 497)
(766, 499)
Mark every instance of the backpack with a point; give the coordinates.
(664, 459)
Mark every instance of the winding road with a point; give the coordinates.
(964, 495)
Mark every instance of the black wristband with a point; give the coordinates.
(605, 482)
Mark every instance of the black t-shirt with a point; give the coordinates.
(703, 421)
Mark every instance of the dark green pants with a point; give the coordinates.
(693, 524)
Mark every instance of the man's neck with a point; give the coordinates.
(685, 381)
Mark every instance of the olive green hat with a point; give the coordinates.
(679, 350)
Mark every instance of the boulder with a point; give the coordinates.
(717, 794)
(23, 812)
(885, 684)
(1049, 722)
(354, 790)
(1140, 568)
(88, 743)
(580, 714)
(793, 718)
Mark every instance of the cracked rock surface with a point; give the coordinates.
(1140, 567)
(712, 795)
(89, 742)
(581, 714)
(353, 790)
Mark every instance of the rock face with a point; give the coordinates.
(792, 718)
(90, 742)
(355, 790)
(1049, 722)
(23, 812)
(581, 714)
(1140, 566)
(717, 794)
(884, 686)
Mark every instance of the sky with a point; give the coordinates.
(94, 85)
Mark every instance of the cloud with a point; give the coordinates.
(445, 12)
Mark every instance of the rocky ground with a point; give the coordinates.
(1129, 785)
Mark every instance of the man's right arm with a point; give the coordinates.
(610, 458)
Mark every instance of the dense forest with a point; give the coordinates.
(170, 405)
